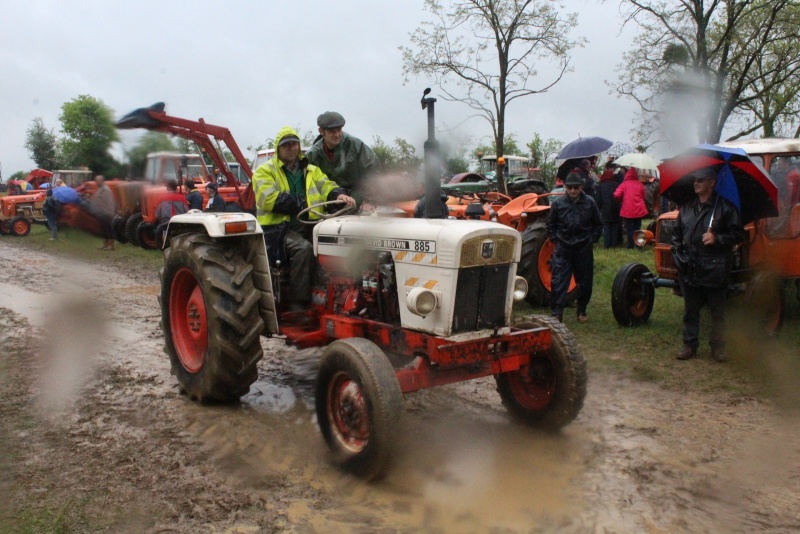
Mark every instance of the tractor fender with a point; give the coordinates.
(224, 226)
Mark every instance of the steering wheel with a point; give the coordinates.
(322, 215)
(493, 197)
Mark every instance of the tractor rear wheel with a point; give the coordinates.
(632, 298)
(20, 226)
(118, 228)
(210, 317)
(146, 236)
(549, 392)
(765, 301)
(534, 266)
(359, 403)
(130, 228)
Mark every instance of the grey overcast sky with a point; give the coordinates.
(254, 66)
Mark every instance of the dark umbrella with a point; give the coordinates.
(583, 147)
(740, 180)
(66, 195)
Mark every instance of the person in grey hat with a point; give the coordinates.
(343, 158)
(573, 225)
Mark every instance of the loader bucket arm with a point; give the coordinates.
(156, 119)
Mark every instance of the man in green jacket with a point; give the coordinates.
(342, 157)
(284, 186)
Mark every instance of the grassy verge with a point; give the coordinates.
(81, 245)
(759, 366)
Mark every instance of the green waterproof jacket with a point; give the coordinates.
(352, 162)
(274, 204)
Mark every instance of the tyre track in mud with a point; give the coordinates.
(119, 449)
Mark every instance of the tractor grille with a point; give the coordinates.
(665, 229)
(476, 251)
(666, 265)
(480, 298)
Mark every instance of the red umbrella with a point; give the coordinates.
(740, 179)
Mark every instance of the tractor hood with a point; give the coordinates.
(439, 240)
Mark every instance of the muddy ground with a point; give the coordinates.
(95, 437)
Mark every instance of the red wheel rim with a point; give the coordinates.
(20, 227)
(347, 412)
(187, 319)
(545, 268)
(535, 386)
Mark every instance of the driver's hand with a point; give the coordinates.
(350, 201)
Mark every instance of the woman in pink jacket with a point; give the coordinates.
(631, 193)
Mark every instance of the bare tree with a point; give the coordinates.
(706, 61)
(485, 53)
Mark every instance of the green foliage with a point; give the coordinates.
(42, 145)
(88, 127)
(19, 175)
(400, 157)
(698, 69)
(543, 155)
(148, 143)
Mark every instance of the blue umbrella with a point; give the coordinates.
(66, 195)
(583, 147)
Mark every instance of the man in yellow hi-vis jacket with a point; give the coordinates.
(284, 186)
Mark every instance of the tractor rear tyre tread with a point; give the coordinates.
(550, 393)
(228, 361)
(130, 228)
(118, 228)
(358, 404)
(146, 236)
(631, 300)
(534, 239)
(765, 302)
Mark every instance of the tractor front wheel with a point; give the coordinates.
(210, 317)
(765, 302)
(20, 226)
(632, 297)
(131, 226)
(146, 236)
(358, 403)
(535, 267)
(548, 393)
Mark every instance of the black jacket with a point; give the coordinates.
(574, 224)
(606, 203)
(700, 265)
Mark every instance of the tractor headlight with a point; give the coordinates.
(422, 301)
(642, 238)
(520, 288)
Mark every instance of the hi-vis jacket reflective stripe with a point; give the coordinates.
(269, 180)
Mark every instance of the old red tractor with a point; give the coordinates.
(767, 261)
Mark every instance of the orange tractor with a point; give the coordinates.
(767, 261)
(137, 224)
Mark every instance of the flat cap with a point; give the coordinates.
(330, 120)
(573, 179)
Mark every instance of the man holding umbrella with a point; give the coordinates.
(708, 228)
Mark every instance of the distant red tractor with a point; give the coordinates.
(138, 226)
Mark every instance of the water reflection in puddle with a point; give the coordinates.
(270, 397)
